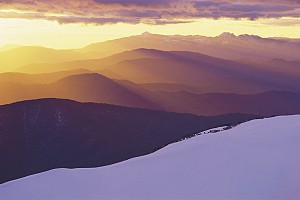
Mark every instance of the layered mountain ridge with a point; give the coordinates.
(226, 46)
(116, 100)
(93, 87)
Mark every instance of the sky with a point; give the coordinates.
(76, 23)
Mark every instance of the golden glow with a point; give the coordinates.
(12, 11)
(55, 35)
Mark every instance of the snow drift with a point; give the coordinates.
(255, 160)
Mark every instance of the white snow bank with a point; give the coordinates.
(255, 160)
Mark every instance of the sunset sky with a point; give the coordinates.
(76, 23)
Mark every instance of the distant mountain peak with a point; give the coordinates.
(250, 36)
(146, 33)
(227, 35)
(86, 76)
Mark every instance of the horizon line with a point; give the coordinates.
(14, 46)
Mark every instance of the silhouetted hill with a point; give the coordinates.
(85, 87)
(97, 88)
(100, 89)
(40, 135)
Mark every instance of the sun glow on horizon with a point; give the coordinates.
(62, 36)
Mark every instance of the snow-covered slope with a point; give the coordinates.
(255, 160)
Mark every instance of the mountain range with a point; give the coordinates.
(177, 81)
(226, 46)
(116, 100)
(186, 68)
(92, 87)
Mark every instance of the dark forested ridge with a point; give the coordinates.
(40, 135)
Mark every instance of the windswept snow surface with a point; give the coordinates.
(255, 160)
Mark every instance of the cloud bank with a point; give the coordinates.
(146, 11)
